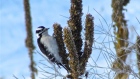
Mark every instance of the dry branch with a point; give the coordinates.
(62, 49)
(73, 62)
(138, 53)
(29, 38)
(75, 22)
(89, 28)
(121, 35)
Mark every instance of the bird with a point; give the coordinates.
(49, 46)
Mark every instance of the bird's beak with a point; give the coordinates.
(47, 28)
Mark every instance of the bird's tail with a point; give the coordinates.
(67, 68)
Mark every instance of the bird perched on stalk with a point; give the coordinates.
(48, 46)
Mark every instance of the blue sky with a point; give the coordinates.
(14, 59)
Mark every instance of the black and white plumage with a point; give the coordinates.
(48, 45)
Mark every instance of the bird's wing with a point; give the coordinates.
(45, 52)
(50, 56)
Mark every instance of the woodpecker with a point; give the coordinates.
(48, 46)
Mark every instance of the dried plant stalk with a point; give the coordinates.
(62, 49)
(75, 22)
(138, 53)
(121, 35)
(89, 28)
(29, 38)
(73, 62)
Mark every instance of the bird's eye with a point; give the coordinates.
(42, 29)
(37, 31)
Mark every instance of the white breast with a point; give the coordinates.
(51, 44)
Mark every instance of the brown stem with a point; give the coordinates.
(75, 22)
(73, 62)
(29, 38)
(62, 49)
(89, 28)
(121, 35)
(138, 53)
